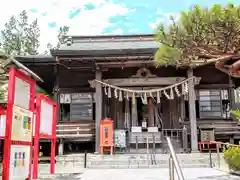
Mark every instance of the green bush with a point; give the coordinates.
(232, 157)
(236, 113)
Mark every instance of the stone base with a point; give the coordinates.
(195, 151)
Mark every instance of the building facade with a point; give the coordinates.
(120, 65)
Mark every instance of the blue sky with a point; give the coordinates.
(94, 17)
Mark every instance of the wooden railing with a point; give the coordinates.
(173, 134)
(83, 131)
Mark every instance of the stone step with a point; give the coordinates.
(65, 176)
(136, 160)
(144, 166)
(104, 165)
(131, 158)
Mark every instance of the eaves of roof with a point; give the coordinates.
(35, 59)
(103, 53)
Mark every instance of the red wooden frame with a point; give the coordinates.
(203, 144)
(38, 135)
(13, 74)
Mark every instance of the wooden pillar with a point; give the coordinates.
(118, 120)
(231, 95)
(156, 116)
(121, 115)
(56, 91)
(98, 109)
(150, 113)
(134, 114)
(192, 112)
(57, 100)
(182, 108)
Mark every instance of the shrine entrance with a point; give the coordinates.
(144, 115)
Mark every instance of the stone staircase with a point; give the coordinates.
(123, 161)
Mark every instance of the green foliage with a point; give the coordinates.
(4, 61)
(236, 113)
(19, 37)
(62, 35)
(232, 157)
(200, 33)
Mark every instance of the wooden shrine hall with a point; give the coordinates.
(94, 77)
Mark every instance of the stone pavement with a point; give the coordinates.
(144, 174)
(155, 174)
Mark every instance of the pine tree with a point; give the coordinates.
(200, 35)
(62, 32)
(62, 35)
(20, 37)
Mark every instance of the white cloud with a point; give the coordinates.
(165, 18)
(88, 22)
(154, 24)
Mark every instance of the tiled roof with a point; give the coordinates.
(101, 43)
(111, 45)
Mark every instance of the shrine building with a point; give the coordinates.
(97, 77)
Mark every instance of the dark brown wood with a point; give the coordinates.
(108, 58)
(192, 112)
(150, 113)
(75, 90)
(214, 86)
(134, 114)
(55, 91)
(127, 114)
(144, 82)
(98, 113)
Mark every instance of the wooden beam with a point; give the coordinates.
(214, 86)
(126, 65)
(126, 62)
(106, 58)
(192, 112)
(144, 81)
(75, 89)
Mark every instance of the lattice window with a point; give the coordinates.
(213, 104)
(237, 95)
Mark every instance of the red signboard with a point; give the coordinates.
(45, 128)
(18, 136)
